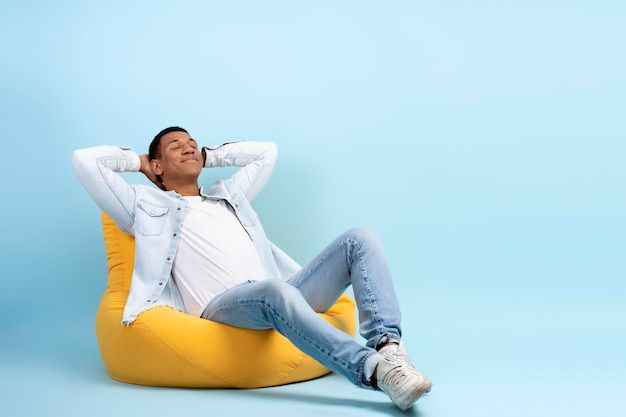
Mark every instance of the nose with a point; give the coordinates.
(188, 149)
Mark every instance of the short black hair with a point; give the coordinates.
(154, 150)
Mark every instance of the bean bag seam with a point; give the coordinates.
(309, 341)
(145, 323)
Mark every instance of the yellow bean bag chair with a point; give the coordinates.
(165, 347)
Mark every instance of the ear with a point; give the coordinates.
(156, 167)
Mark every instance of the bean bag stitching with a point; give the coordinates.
(145, 323)
(301, 362)
(305, 356)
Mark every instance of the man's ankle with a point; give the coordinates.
(379, 347)
(373, 378)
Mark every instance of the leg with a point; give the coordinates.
(274, 303)
(355, 257)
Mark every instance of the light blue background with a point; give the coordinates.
(483, 140)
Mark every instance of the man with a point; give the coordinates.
(205, 253)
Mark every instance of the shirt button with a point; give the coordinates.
(149, 300)
(168, 258)
(160, 283)
(174, 234)
(178, 209)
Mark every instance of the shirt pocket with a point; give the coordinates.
(150, 218)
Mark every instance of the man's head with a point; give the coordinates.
(175, 157)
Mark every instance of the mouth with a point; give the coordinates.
(189, 160)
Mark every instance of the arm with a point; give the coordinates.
(257, 160)
(96, 167)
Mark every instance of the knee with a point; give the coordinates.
(277, 291)
(363, 235)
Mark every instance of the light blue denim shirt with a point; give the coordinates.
(154, 216)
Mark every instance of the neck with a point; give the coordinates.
(185, 189)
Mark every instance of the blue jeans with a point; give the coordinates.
(355, 257)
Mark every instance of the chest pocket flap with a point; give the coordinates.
(150, 218)
(152, 209)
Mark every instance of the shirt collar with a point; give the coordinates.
(175, 194)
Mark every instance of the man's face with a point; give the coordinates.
(180, 157)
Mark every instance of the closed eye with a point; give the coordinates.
(176, 144)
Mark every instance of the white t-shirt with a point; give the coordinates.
(215, 253)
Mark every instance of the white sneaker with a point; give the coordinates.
(403, 385)
(401, 354)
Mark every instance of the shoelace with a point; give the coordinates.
(403, 358)
(394, 376)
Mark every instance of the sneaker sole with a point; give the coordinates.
(421, 390)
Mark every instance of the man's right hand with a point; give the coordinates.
(146, 169)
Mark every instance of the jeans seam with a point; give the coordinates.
(269, 306)
(309, 341)
(371, 299)
(238, 303)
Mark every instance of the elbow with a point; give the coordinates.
(80, 161)
(272, 151)
(77, 160)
